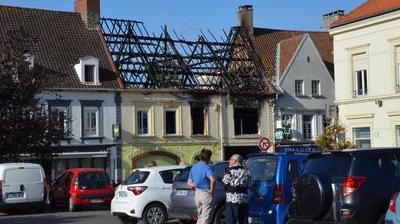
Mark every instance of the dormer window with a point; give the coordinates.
(88, 70)
(89, 73)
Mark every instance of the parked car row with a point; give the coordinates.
(350, 186)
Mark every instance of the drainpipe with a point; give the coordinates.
(220, 128)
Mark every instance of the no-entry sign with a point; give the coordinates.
(264, 143)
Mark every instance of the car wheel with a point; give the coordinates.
(154, 214)
(219, 217)
(71, 205)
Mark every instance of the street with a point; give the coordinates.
(61, 216)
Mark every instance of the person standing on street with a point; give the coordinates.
(202, 179)
(237, 181)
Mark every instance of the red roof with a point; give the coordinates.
(266, 40)
(370, 8)
(287, 49)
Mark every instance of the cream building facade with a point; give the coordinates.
(367, 75)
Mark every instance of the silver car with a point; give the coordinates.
(183, 206)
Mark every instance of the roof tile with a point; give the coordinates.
(61, 40)
(368, 9)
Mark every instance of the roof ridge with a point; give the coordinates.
(4, 7)
(288, 30)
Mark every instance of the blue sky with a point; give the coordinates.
(187, 17)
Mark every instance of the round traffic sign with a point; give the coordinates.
(264, 144)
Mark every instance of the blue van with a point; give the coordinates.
(273, 175)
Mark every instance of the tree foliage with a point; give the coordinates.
(334, 138)
(26, 127)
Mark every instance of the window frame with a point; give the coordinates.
(299, 85)
(241, 118)
(355, 138)
(360, 72)
(92, 105)
(56, 104)
(170, 109)
(92, 73)
(364, 82)
(306, 134)
(318, 88)
(138, 124)
(397, 135)
(204, 110)
(397, 68)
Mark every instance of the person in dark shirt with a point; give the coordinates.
(237, 181)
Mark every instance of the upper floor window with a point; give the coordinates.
(88, 70)
(170, 121)
(315, 88)
(62, 107)
(397, 69)
(92, 118)
(89, 73)
(360, 75)
(198, 120)
(299, 87)
(397, 135)
(142, 116)
(246, 120)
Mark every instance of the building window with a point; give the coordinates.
(90, 118)
(170, 121)
(362, 137)
(198, 120)
(398, 135)
(360, 75)
(298, 87)
(63, 107)
(315, 88)
(89, 74)
(397, 69)
(142, 116)
(246, 121)
(307, 127)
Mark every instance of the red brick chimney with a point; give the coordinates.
(90, 12)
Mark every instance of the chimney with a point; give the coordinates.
(330, 18)
(245, 18)
(90, 12)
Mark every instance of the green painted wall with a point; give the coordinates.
(185, 151)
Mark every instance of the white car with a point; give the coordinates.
(145, 194)
(22, 184)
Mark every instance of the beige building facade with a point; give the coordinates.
(367, 77)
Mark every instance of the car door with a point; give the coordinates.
(62, 187)
(167, 179)
(292, 175)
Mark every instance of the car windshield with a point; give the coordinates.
(136, 177)
(183, 175)
(262, 168)
(93, 180)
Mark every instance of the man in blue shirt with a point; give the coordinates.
(201, 177)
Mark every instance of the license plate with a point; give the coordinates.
(96, 201)
(181, 193)
(254, 220)
(122, 194)
(14, 195)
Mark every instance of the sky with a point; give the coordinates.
(188, 17)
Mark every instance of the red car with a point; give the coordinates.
(82, 187)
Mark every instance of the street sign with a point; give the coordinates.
(264, 144)
(279, 134)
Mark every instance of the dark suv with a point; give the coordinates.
(352, 186)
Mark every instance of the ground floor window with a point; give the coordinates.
(307, 127)
(62, 164)
(362, 137)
